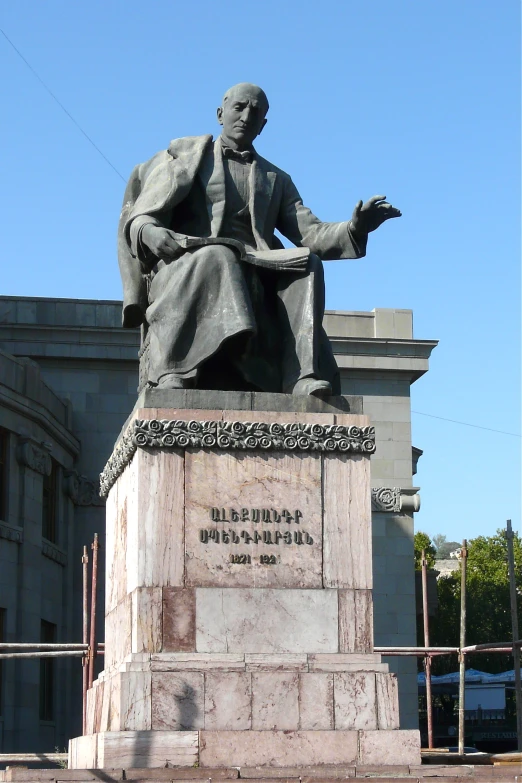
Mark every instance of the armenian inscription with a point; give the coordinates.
(266, 515)
(266, 528)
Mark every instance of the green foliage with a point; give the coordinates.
(423, 541)
(487, 558)
(488, 603)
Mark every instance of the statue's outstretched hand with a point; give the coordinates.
(369, 216)
(160, 241)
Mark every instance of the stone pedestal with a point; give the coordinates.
(239, 623)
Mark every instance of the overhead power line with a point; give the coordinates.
(60, 104)
(467, 424)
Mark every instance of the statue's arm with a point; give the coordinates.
(330, 241)
(140, 249)
(142, 207)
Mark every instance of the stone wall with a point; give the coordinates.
(35, 573)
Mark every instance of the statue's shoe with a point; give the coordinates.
(173, 381)
(314, 386)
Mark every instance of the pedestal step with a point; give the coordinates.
(233, 692)
(244, 748)
(380, 773)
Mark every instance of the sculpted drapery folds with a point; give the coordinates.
(223, 305)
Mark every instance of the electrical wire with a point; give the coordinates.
(62, 107)
(467, 424)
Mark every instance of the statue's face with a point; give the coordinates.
(242, 115)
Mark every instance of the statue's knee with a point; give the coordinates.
(228, 255)
(216, 256)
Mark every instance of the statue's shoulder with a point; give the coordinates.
(189, 146)
(186, 148)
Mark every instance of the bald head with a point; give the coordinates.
(242, 114)
(243, 88)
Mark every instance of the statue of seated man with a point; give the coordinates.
(222, 303)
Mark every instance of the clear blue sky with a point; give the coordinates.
(415, 100)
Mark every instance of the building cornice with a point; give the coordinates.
(110, 343)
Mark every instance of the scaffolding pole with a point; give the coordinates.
(85, 636)
(514, 626)
(427, 659)
(498, 647)
(36, 654)
(42, 646)
(462, 655)
(420, 652)
(94, 585)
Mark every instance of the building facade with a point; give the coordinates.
(68, 380)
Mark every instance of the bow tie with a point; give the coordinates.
(246, 156)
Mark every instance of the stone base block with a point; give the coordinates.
(208, 749)
(234, 692)
(304, 748)
(134, 749)
(277, 748)
(216, 620)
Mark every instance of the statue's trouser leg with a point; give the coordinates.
(301, 309)
(196, 303)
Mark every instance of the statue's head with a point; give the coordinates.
(242, 114)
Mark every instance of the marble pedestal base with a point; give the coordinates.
(239, 626)
(272, 749)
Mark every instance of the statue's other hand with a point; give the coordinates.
(369, 216)
(160, 241)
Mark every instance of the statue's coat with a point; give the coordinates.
(192, 169)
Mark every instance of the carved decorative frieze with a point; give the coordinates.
(246, 435)
(81, 490)
(34, 455)
(236, 435)
(386, 499)
(54, 553)
(9, 533)
(395, 500)
(117, 462)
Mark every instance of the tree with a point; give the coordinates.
(423, 541)
(488, 603)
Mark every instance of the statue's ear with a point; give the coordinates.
(220, 115)
(262, 126)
